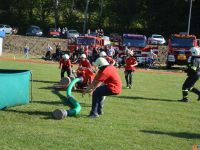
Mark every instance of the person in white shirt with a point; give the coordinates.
(111, 52)
(152, 57)
(48, 53)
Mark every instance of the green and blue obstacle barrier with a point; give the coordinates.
(14, 87)
(71, 101)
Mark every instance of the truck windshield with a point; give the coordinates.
(86, 41)
(182, 42)
(134, 42)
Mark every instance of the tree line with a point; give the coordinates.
(122, 16)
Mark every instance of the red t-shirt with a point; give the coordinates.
(110, 77)
(109, 59)
(87, 75)
(130, 61)
(85, 63)
(65, 63)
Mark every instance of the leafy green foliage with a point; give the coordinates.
(140, 16)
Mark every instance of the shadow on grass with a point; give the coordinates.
(173, 68)
(50, 88)
(145, 98)
(47, 115)
(163, 67)
(47, 102)
(174, 134)
(44, 81)
(64, 99)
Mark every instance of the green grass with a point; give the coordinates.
(147, 116)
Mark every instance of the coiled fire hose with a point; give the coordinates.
(71, 101)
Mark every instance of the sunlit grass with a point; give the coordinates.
(147, 116)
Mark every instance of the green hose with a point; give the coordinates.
(75, 107)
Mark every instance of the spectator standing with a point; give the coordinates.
(88, 31)
(59, 30)
(95, 54)
(58, 51)
(63, 32)
(48, 53)
(26, 51)
(111, 52)
(75, 55)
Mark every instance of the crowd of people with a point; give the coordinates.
(85, 57)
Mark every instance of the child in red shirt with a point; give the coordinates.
(84, 62)
(106, 82)
(130, 64)
(65, 65)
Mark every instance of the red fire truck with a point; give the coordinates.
(138, 43)
(90, 41)
(178, 49)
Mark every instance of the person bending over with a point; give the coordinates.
(106, 82)
(65, 65)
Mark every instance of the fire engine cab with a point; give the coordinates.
(138, 43)
(90, 41)
(178, 49)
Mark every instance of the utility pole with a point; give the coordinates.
(72, 7)
(101, 7)
(189, 18)
(56, 2)
(86, 16)
(101, 12)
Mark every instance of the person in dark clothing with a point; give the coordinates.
(58, 51)
(75, 54)
(95, 54)
(193, 72)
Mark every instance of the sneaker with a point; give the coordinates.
(130, 86)
(93, 116)
(184, 100)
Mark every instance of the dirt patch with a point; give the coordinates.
(38, 45)
(15, 43)
(29, 61)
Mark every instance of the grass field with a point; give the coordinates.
(147, 116)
